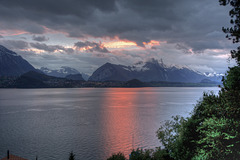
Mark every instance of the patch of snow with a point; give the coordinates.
(65, 72)
(127, 68)
(214, 74)
(45, 70)
(199, 72)
(145, 68)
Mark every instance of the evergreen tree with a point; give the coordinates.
(233, 33)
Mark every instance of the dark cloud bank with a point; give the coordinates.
(184, 26)
(189, 23)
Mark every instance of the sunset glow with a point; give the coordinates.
(119, 44)
(121, 117)
(119, 79)
(152, 43)
(85, 48)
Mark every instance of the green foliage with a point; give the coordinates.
(71, 156)
(179, 136)
(140, 154)
(208, 106)
(169, 132)
(232, 81)
(230, 94)
(219, 139)
(161, 154)
(213, 130)
(172, 136)
(118, 156)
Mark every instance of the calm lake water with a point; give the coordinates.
(91, 122)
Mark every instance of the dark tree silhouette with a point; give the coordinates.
(233, 33)
(71, 156)
(118, 156)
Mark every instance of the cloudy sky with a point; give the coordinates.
(85, 34)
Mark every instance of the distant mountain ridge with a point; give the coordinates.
(150, 71)
(12, 64)
(61, 72)
(33, 79)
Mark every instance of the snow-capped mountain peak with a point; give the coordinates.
(149, 71)
(68, 70)
(145, 66)
(61, 72)
(139, 66)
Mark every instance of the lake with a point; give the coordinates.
(91, 122)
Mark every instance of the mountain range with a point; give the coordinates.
(150, 71)
(12, 64)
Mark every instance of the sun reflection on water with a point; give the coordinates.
(122, 116)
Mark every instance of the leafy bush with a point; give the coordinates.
(213, 130)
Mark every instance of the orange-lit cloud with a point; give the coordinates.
(125, 44)
(119, 44)
(91, 47)
(152, 43)
(84, 48)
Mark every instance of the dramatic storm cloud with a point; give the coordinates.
(119, 31)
